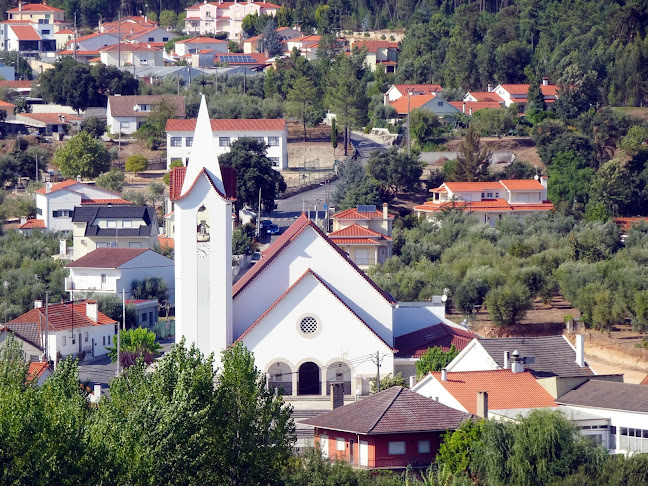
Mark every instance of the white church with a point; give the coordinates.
(307, 312)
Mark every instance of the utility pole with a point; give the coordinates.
(259, 216)
(47, 354)
(119, 40)
(36, 168)
(409, 135)
(377, 372)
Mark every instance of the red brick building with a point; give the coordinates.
(391, 429)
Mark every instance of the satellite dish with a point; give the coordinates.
(444, 298)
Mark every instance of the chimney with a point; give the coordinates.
(79, 178)
(62, 247)
(470, 110)
(543, 181)
(337, 395)
(463, 107)
(20, 6)
(385, 99)
(444, 375)
(506, 360)
(482, 404)
(91, 310)
(517, 364)
(23, 220)
(490, 88)
(580, 350)
(38, 304)
(545, 81)
(385, 212)
(412, 381)
(48, 187)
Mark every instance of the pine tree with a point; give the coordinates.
(472, 161)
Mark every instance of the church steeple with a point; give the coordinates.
(202, 153)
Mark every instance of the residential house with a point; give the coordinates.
(272, 132)
(547, 356)
(55, 203)
(197, 44)
(364, 233)
(393, 429)
(484, 96)
(517, 93)
(399, 90)
(431, 102)
(127, 54)
(38, 372)
(147, 35)
(9, 108)
(22, 88)
(488, 202)
(39, 13)
(62, 37)
(139, 21)
(307, 45)
(113, 270)
(380, 52)
(251, 45)
(147, 311)
(470, 107)
(113, 227)
(31, 29)
(506, 390)
(126, 114)
(50, 124)
(65, 329)
(252, 61)
(223, 16)
(623, 407)
(93, 42)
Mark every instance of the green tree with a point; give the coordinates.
(82, 156)
(301, 100)
(472, 159)
(394, 171)
(616, 186)
(22, 105)
(571, 179)
(167, 176)
(138, 343)
(424, 125)
(113, 180)
(170, 44)
(253, 172)
(435, 359)
(270, 42)
(156, 192)
(113, 307)
(494, 121)
(508, 304)
(136, 197)
(388, 381)
(168, 19)
(458, 447)
(242, 243)
(256, 429)
(136, 163)
(94, 126)
(334, 134)
(635, 140)
(150, 288)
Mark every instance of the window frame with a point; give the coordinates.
(224, 141)
(175, 142)
(272, 140)
(394, 447)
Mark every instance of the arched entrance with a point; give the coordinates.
(309, 379)
(338, 373)
(280, 376)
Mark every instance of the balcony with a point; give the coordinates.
(72, 286)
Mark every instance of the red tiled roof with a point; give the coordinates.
(644, 381)
(25, 32)
(356, 234)
(176, 179)
(65, 31)
(486, 96)
(523, 89)
(626, 223)
(15, 84)
(415, 101)
(229, 125)
(309, 272)
(522, 184)
(201, 40)
(33, 224)
(124, 105)
(166, 242)
(426, 88)
(34, 7)
(70, 52)
(352, 213)
(392, 411)
(107, 257)
(484, 205)
(5, 104)
(57, 187)
(51, 118)
(177, 176)
(373, 46)
(117, 200)
(506, 390)
(36, 370)
(469, 107)
(62, 317)
(283, 242)
(127, 46)
(415, 344)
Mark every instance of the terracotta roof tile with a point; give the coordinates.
(15, 84)
(415, 344)
(418, 88)
(644, 381)
(166, 242)
(470, 107)
(486, 96)
(61, 317)
(25, 32)
(229, 125)
(33, 224)
(102, 202)
(353, 213)
(51, 118)
(357, 231)
(505, 389)
(107, 257)
(471, 186)
(123, 105)
(522, 184)
(58, 186)
(373, 46)
(626, 223)
(391, 411)
(34, 7)
(202, 40)
(36, 370)
(415, 101)
(176, 179)
(283, 242)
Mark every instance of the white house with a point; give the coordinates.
(272, 132)
(127, 54)
(251, 44)
(306, 311)
(147, 311)
(55, 204)
(430, 102)
(30, 28)
(307, 45)
(66, 328)
(124, 226)
(399, 90)
(214, 17)
(380, 52)
(488, 202)
(197, 44)
(126, 114)
(517, 93)
(93, 42)
(113, 270)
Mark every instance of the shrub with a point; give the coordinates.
(507, 304)
(136, 163)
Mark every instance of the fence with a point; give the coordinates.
(164, 329)
(154, 164)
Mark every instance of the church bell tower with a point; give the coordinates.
(203, 248)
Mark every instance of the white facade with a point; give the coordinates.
(132, 55)
(92, 340)
(90, 280)
(213, 17)
(193, 46)
(179, 144)
(94, 42)
(29, 38)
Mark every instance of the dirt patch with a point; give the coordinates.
(524, 148)
(634, 112)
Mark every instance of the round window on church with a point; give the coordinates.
(309, 325)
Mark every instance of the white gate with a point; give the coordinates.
(364, 453)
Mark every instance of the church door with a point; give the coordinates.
(309, 379)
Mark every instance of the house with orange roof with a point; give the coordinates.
(92, 42)
(126, 114)
(488, 202)
(484, 96)
(55, 204)
(285, 34)
(127, 54)
(197, 44)
(517, 93)
(470, 107)
(38, 372)
(224, 16)
(31, 29)
(307, 44)
(48, 124)
(69, 328)
(380, 52)
(430, 102)
(399, 90)
(364, 233)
